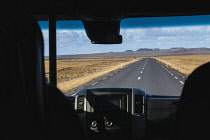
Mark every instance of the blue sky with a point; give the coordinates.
(163, 33)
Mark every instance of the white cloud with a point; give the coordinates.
(76, 41)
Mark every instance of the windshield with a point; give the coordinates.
(156, 58)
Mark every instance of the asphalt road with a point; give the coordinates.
(146, 74)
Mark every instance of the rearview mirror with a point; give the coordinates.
(103, 32)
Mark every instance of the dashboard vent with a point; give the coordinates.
(139, 104)
(80, 103)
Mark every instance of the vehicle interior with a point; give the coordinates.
(32, 105)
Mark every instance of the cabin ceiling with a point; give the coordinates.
(102, 10)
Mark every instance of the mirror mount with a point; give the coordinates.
(103, 32)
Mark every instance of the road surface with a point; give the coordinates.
(146, 74)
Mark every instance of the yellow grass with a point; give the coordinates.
(74, 72)
(184, 63)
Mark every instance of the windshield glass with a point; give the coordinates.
(154, 56)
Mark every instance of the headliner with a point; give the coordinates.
(117, 9)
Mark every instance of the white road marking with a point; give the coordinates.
(141, 72)
(105, 78)
(172, 74)
(181, 82)
(139, 78)
(146, 62)
(94, 83)
(142, 68)
(175, 77)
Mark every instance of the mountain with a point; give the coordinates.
(141, 52)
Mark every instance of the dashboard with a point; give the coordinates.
(126, 112)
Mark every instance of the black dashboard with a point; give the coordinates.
(126, 112)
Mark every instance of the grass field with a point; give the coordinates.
(74, 72)
(184, 63)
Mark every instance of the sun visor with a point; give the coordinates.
(103, 32)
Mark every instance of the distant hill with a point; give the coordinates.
(141, 52)
(144, 49)
(129, 51)
(188, 50)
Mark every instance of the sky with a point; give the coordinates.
(162, 33)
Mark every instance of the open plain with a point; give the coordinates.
(75, 72)
(185, 64)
